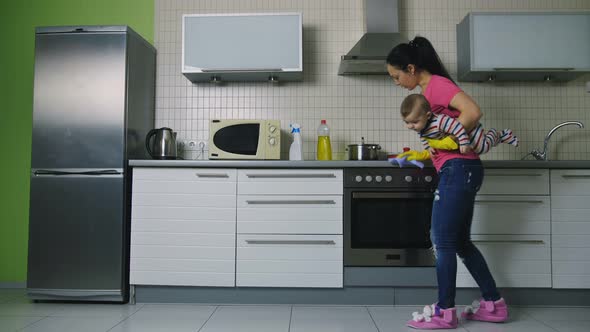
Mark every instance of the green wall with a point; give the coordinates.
(17, 27)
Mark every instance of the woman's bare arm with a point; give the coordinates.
(470, 112)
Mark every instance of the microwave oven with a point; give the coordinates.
(244, 139)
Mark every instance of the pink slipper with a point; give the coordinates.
(487, 311)
(434, 318)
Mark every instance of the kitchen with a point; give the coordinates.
(355, 106)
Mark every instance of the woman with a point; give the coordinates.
(460, 176)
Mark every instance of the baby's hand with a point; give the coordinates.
(464, 149)
(432, 151)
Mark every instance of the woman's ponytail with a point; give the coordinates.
(419, 52)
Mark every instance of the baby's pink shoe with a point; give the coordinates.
(487, 311)
(434, 318)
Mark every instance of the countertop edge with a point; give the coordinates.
(551, 164)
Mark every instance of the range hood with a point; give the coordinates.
(368, 56)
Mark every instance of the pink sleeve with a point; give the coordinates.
(444, 90)
(439, 93)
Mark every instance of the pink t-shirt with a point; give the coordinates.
(439, 92)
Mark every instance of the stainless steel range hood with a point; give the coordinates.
(368, 56)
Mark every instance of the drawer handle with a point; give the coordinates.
(510, 241)
(291, 176)
(575, 176)
(202, 175)
(530, 174)
(326, 242)
(293, 202)
(514, 201)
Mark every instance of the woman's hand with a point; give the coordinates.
(470, 112)
(464, 149)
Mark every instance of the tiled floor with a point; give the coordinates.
(17, 313)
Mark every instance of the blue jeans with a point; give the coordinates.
(452, 211)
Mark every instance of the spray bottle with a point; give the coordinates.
(296, 150)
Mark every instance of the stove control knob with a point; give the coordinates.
(428, 178)
(388, 178)
(378, 178)
(368, 178)
(408, 178)
(358, 178)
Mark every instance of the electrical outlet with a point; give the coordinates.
(194, 145)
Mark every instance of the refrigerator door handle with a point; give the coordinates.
(81, 172)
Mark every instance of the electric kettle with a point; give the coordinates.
(163, 146)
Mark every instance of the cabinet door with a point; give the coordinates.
(242, 47)
(289, 214)
(514, 260)
(511, 214)
(289, 260)
(290, 182)
(183, 227)
(570, 226)
(531, 40)
(515, 182)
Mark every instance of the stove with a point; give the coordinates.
(387, 214)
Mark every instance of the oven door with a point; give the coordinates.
(387, 228)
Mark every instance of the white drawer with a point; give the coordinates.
(508, 214)
(216, 181)
(290, 214)
(571, 182)
(514, 260)
(289, 260)
(290, 182)
(515, 182)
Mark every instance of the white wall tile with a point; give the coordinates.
(361, 106)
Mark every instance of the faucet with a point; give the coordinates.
(543, 155)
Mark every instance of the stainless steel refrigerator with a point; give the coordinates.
(94, 92)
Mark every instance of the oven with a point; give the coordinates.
(387, 214)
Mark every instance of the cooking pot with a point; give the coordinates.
(163, 145)
(363, 151)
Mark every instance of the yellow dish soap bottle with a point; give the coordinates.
(324, 150)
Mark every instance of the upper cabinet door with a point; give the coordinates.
(523, 46)
(242, 47)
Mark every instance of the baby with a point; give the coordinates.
(416, 113)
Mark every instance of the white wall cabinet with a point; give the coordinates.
(511, 227)
(523, 46)
(183, 227)
(570, 225)
(242, 47)
(289, 226)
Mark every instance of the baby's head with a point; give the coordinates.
(415, 111)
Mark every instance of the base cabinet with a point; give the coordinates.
(511, 227)
(228, 227)
(289, 260)
(183, 227)
(289, 227)
(514, 260)
(570, 228)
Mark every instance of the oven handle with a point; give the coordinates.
(392, 195)
(325, 242)
(331, 201)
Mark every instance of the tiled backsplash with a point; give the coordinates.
(361, 106)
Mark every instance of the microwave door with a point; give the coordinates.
(238, 140)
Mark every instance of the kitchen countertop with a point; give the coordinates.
(552, 164)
